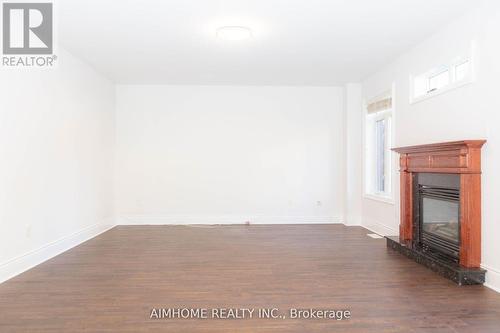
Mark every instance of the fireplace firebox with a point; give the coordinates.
(437, 214)
(440, 198)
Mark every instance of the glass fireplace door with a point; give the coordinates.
(441, 218)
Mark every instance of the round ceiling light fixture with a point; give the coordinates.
(234, 33)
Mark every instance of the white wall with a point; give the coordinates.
(56, 152)
(469, 112)
(219, 154)
(354, 137)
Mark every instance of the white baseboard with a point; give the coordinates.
(353, 220)
(381, 229)
(22, 263)
(223, 219)
(492, 278)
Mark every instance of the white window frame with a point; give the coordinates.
(370, 163)
(453, 83)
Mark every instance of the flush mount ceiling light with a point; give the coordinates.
(234, 33)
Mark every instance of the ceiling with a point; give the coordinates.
(296, 42)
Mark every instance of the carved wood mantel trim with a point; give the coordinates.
(457, 157)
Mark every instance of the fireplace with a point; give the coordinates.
(440, 199)
(437, 216)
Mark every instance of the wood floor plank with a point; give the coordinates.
(111, 283)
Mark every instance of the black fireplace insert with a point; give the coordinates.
(437, 214)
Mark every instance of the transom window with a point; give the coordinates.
(442, 78)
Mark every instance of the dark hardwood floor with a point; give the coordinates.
(111, 283)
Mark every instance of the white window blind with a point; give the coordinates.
(380, 104)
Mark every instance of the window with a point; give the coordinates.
(446, 77)
(461, 70)
(439, 80)
(380, 155)
(378, 144)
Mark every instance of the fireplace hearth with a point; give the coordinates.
(440, 223)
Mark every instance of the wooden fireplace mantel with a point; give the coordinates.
(457, 157)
